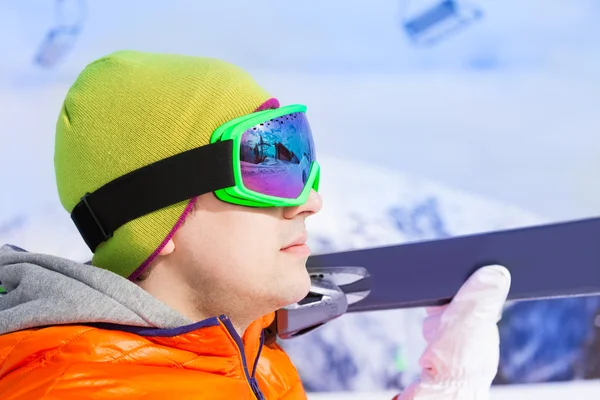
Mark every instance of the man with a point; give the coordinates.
(191, 185)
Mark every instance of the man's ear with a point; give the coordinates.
(168, 249)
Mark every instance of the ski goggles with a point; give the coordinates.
(273, 158)
(264, 159)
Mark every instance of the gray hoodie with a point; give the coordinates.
(46, 290)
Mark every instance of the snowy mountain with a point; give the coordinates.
(366, 206)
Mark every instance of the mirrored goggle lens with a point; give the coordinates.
(276, 156)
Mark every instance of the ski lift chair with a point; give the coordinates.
(59, 40)
(440, 21)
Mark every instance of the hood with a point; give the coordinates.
(44, 290)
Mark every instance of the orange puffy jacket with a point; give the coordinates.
(72, 331)
(206, 360)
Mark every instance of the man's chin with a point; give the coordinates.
(295, 290)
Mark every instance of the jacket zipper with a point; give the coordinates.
(253, 381)
(262, 342)
(238, 341)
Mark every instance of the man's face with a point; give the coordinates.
(237, 255)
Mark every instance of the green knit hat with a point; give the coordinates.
(130, 109)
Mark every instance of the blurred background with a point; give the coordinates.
(432, 118)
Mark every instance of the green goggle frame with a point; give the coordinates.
(241, 195)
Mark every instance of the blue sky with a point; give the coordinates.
(505, 109)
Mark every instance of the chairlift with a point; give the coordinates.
(440, 21)
(60, 39)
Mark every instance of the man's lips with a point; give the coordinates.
(298, 245)
(300, 240)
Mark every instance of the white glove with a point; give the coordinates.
(462, 354)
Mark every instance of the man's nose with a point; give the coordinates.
(312, 206)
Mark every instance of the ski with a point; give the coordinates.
(546, 261)
(553, 260)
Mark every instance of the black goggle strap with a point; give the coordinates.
(181, 177)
